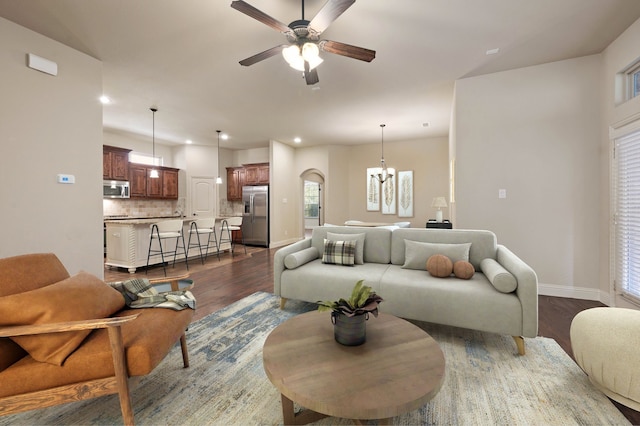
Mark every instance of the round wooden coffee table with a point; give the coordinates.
(398, 369)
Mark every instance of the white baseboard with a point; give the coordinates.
(574, 292)
(276, 244)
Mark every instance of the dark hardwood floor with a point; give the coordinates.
(220, 283)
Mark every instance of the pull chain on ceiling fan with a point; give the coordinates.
(302, 52)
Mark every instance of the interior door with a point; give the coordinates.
(203, 197)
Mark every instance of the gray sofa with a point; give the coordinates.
(501, 297)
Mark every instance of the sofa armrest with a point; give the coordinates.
(278, 261)
(24, 330)
(527, 290)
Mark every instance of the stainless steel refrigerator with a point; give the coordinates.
(255, 219)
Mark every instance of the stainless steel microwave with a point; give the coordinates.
(115, 189)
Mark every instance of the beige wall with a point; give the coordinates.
(50, 125)
(428, 158)
(536, 133)
(283, 196)
(618, 116)
(344, 169)
(141, 144)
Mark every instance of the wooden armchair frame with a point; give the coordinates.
(119, 383)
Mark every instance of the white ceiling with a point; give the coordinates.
(182, 56)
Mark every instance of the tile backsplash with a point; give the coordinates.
(141, 208)
(159, 208)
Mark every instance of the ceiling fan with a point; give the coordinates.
(302, 52)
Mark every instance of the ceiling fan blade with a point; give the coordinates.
(329, 13)
(347, 50)
(262, 55)
(259, 15)
(310, 76)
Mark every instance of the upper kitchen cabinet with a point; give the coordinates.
(115, 163)
(144, 186)
(170, 183)
(235, 182)
(256, 174)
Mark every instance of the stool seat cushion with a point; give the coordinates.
(605, 344)
(166, 235)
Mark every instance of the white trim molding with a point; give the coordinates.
(583, 293)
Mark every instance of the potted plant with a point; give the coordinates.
(349, 316)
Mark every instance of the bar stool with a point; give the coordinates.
(204, 227)
(163, 231)
(231, 224)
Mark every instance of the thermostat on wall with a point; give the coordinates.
(66, 178)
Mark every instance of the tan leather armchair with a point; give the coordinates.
(117, 351)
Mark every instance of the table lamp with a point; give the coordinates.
(439, 202)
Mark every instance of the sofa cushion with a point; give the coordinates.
(439, 266)
(339, 252)
(499, 277)
(377, 243)
(80, 297)
(483, 243)
(417, 253)
(299, 258)
(358, 238)
(147, 340)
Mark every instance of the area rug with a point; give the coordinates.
(486, 382)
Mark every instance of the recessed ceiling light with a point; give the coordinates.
(297, 140)
(105, 100)
(188, 141)
(224, 136)
(493, 51)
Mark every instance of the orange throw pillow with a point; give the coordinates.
(439, 266)
(80, 297)
(463, 270)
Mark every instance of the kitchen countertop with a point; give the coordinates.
(141, 220)
(147, 220)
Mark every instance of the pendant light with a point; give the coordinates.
(219, 179)
(154, 172)
(384, 174)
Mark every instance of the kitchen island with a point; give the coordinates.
(127, 241)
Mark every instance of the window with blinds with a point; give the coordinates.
(627, 215)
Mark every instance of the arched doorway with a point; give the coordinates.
(312, 200)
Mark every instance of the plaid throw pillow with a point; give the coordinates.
(339, 252)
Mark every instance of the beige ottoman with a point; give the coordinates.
(606, 345)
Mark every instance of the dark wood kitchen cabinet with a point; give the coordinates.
(138, 181)
(235, 182)
(256, 174)
(144, 186)
(170, 183)
(115, 163)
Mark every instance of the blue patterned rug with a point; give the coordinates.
(486, 382)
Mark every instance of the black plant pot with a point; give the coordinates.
(349, 331)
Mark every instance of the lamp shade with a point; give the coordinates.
(439, 202)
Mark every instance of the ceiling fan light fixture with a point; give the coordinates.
(296, 56)
(293, 57)
(311, 54)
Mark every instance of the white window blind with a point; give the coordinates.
(627, 216)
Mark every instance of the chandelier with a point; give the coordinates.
(383, 175)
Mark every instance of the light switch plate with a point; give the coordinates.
(502, 193)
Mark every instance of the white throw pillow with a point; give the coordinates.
(416, 253)
(499, 277)
(299, 258)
